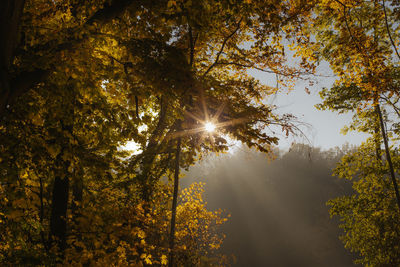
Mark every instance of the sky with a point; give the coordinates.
(325, 126)
(321, 128)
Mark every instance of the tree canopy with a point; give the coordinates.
(359, 39)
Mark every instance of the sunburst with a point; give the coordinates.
(209, 127)
(209, 123)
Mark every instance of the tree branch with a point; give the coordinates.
(11, 90)
(293, 74)
(222, 48)
(356, 43)
(109, 11)
(388, 30)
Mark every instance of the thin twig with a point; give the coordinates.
(293, 74)
(388, 30)
(222, 48)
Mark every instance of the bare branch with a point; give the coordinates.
(222, 48)
(253, 66)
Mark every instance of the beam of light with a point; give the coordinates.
(209, 127)
(188, 132)
(209, 123)
(203, 102)
(219, 111)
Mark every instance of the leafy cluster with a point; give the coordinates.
(359, 40)
(369, 217)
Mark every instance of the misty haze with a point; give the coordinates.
(278, 207)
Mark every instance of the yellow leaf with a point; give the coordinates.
(147, 260)
(171, 4)
(24, 174)
(141, 234)
(29, 182)
(164, 260)
(37, 120)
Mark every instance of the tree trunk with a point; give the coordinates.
(174, 204)
(388, 157)
(77, 196)
(146, 181)
(58, 218)
(60, 197)
(10, 17)
(377, 136)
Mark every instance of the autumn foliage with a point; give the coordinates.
(79, 80)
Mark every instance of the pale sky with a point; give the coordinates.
(325, 125)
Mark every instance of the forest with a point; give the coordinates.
(106, 106)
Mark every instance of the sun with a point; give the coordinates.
(209, 127)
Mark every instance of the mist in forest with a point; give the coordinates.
(278, 207)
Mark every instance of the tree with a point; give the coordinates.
(369, 216)
(357, 39)
(359, 48)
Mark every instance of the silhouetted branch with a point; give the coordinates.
(222, 48)
(388, 30)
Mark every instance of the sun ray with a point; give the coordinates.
(219, 111)
(201, 138)
(193, 116)
(208, 124)
(203, 102)
(188, 132)
(232, 122)
(212, 140)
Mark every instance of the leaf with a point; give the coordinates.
(164, 260)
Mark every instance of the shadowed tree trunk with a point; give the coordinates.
(177, 169)
(388, 156)
(10, 17)
(59, 206)
(64, 172)
(145, 179)
(377, 136)
(174, 204)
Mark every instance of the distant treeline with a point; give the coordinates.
(279, 215)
